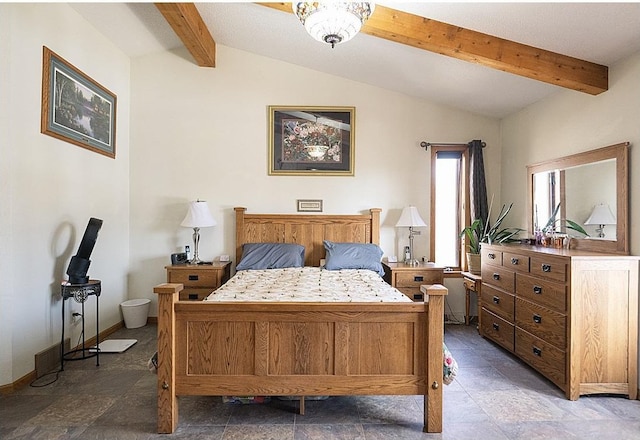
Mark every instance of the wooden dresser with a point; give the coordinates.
(571, 315)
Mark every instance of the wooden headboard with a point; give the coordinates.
(308, 230)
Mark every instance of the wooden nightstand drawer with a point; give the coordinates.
(408, 279)
(194, 294)
(415, 279)
(541, 322)
(497, 329)
(544, 357)
(194, 278)
(412, 292)
(199, 281)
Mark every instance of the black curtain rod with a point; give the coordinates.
(426, 145)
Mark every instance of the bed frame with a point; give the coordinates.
(300, 349)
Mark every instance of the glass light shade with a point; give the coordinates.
(601, 215)
(333, 22)
(198, 216)
(410, 218)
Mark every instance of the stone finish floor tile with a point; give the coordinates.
(495, 397)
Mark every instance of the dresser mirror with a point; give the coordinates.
(580, 183)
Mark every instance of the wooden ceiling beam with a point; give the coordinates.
(487, 50)
(186, 22)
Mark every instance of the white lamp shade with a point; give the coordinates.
(198, 216)
(601, 215)
(410, 218)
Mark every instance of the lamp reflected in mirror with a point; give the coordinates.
(601, 216)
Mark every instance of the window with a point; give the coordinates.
(449, 199)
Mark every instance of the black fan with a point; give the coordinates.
(79, 264)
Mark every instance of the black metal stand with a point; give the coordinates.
(80, 293)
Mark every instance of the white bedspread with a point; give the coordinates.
(310, 284)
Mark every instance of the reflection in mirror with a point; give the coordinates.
(580, 183)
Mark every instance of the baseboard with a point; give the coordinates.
(48, 359)
(33, 375)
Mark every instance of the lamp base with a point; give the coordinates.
(412, 262)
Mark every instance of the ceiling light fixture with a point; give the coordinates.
(333, 22)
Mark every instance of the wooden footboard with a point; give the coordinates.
(305, 349)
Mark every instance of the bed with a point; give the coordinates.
(291, 348)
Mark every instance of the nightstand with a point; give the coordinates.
(407, 279)
(472, 283)
(198, 280)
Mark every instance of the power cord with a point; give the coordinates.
(57, 372)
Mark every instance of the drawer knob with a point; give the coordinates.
(496, 300)
(537, 351)
(418, 278)
(537, 290)
(514, 261)
(193, 277)
(537, 319)
(496, 276)
(496, 327)
(491, 256)
(546, 268)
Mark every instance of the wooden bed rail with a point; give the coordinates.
(209, 348)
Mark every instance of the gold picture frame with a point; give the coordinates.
(311, 141)
(75, 108)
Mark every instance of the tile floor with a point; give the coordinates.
(493, 397)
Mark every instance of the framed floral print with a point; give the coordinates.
(311, 141)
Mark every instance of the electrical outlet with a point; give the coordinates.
(76, 312)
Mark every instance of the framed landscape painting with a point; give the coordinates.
(75, 108)
(311, 141)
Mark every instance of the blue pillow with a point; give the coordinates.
(353, 256)
(271, 256)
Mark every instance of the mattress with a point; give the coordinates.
(307, 284)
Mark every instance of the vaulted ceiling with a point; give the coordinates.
(489, 58)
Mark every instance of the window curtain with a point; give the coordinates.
(477, 182)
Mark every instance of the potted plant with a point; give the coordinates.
(479, 232)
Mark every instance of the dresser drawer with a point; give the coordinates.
(498, 302)
(547, 293)
(499, 277)
(549, 267)
(197, 278)
(544, 357)
(519, 263)
(497, 329)
(542, 322)
(490, 256)
(417, 278)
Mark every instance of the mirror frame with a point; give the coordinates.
(619, 152)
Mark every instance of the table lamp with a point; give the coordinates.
(197, 217)
(410, 218)
(601, 216)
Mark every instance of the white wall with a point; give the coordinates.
(51, 188)
(202, 133)
(572, 122)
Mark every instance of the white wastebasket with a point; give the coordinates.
(135, 312)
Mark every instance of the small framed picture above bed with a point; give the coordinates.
(311, 141)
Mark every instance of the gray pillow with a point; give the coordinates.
(271, 256)
(353, 256)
